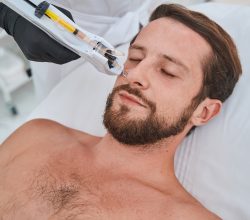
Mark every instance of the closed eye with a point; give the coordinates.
(167, 73)
(134, 59)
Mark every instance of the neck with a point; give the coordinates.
(151, 163)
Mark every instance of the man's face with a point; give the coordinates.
(164, 74)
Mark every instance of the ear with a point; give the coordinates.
(205, 111)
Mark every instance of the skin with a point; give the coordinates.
(49, 171)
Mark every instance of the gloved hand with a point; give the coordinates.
(35, 44)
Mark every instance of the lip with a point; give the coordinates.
(131, 98)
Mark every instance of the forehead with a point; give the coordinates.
(168, 36)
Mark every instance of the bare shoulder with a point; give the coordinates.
(191, 211)
(41, 134)
(185, 206)
(43, 129)
(174, 206)
(33, 130)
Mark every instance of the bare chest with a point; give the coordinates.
(66, 189)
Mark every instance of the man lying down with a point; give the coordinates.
(180, 69)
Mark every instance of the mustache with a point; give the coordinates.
(135, 92)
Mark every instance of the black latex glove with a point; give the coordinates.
(35, 44)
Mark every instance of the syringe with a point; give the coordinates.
(43, 9)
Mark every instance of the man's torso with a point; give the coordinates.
(54, 176)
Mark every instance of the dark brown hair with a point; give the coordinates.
(222, 68)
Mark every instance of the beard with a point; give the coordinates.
(147, 131)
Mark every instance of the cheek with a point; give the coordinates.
(166, 107)
(171, 103)
(120, 80)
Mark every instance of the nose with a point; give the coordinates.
(138, 76)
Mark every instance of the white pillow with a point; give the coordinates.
(212, 163)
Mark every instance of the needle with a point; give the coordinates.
(124, 73)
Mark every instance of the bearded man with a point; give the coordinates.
(180, 68)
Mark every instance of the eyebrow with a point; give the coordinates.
(171, 59)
